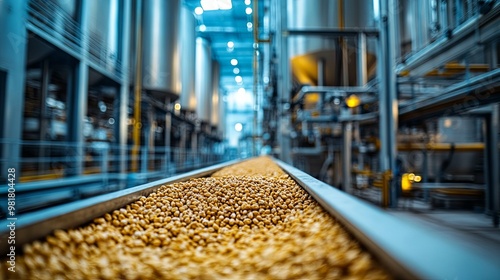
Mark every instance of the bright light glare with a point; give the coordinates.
(238, 79)
(198, 10)
(352, 101)
(209, 5)
(234, 62)
(236, 70)
(248, 11)
(225, 4)
(212, 5)
(177, 106)
(230, 44)
(249, 25)
(248, 2)
(238, 127)
(203, 28)
(241, 90)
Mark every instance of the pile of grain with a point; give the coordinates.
(223, 227)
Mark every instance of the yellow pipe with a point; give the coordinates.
(136, 133)
(462, 147)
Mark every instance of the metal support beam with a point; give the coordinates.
(362, 69)
(13, 42)
(347, 157)
(77, 112)
(388, 101)
(122, 125)
(492, 155)
(44, 114)
(284, 82)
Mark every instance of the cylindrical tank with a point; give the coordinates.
(187, 51)
(160, 53)
(215, 117)
(311, 55)
(203, 79)
(306, 14)
(103, 31)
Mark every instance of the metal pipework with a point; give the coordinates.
(333, 91)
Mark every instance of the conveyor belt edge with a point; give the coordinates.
(408, 250)
(32, 226)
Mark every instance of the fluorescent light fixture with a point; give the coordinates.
(234, 62)
(230, 44)
(213, 5)
(238, 127)
(236, 70)
(198, 10)
(238, 79)
(248, 10)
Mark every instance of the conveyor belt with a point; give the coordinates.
(407, 250)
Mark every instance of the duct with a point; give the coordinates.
(160, 47)
(187, 51)
(203, 79)
(480, 29)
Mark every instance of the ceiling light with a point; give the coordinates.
(249, 25)
(248, 10)
(203, 28)
(177, 106)
(234, 62)
(241, 90)
(230, 44)
(212, 5)
(248, 2)
(238, 79)
(236, 70)
(238, 127)
(198, 10)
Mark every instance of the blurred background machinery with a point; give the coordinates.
(392, 99)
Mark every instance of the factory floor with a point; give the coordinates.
(471, 227)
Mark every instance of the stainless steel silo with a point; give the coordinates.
(187, 47)
(160, 47)
(317, 60)
(203, 79)
(103, 31)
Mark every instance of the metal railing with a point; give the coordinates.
(66, 31)
(46, 160)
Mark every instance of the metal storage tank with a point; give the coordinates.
(312, 54)
(160, 44)
(188, 55)
(203, 79)
(103, 31)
